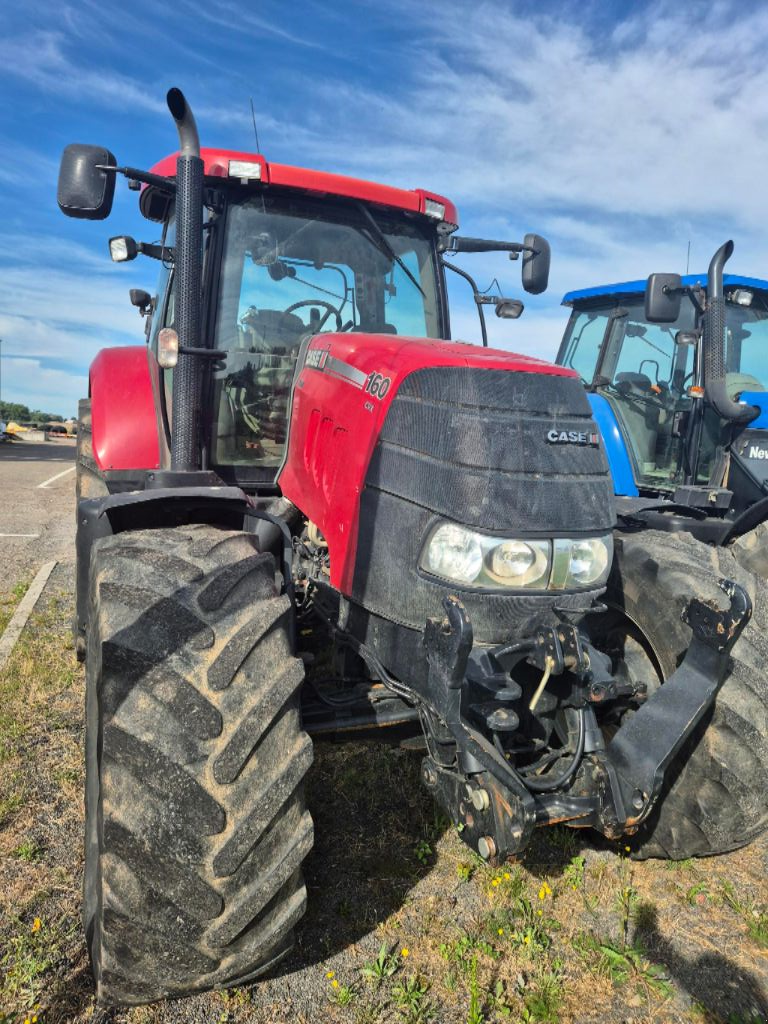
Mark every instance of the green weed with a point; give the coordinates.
(410, 998)
(574, 873)
(28, 851)
(384, 966)
(543, 1003)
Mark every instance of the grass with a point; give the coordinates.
(410, 924)
(10, 601)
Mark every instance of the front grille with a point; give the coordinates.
(471, 445)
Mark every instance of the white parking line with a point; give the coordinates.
(57, 477)
(19, 534)
(22, 613)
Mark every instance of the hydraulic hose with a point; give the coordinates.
(547, 784)
(187, 378)
(715, 388)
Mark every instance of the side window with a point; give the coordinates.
(586, 330)
(411, 319)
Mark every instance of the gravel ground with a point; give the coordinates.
(45, 514)
(574, 931)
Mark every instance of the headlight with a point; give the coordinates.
(454, 553)
(581, 562)
(459, 555)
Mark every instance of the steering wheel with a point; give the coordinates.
(317, 302)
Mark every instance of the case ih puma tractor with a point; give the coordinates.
(303, 511)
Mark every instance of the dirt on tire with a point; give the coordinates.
(196, 824)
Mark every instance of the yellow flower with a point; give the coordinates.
(544, 891)
(527, 940)
(507, 876)
(329, 974)
(495, 881)
(540, 913)
(628, 848)
(501, 931)
(542, 894)
(26, 1020)
(334, 984)
(34, 1018)
(37, 925)
(405, 951)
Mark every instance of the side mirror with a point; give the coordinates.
(85, 189)
(662, 298)
(535, 264)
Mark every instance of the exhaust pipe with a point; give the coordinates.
(715, 389)
(187, 377)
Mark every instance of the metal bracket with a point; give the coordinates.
(448, 644)
(640, 752)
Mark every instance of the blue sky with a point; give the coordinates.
(619, 130)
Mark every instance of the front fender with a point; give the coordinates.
(124, 418)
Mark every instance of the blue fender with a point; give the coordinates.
(760, 399)
(615, 450)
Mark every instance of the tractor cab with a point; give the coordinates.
(645, 379)
(310, 254)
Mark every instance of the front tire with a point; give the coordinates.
(715, 795)
(196, 825)
(89, 481)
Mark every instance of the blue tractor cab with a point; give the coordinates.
(677, 374)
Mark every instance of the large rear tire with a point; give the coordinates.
(196, 825)
(751, 550)
(715, 795)
(89, 481)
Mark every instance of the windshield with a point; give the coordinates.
(294, 266)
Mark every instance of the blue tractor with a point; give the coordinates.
(676, 370)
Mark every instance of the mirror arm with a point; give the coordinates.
(475, 294)
(458, 243)
(156, 252)
(146, 177)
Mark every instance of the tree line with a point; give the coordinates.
(18, 413)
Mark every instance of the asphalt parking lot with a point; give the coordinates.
(37, 497)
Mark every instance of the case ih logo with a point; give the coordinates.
(316, 358)
(572, 437)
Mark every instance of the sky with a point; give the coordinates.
(622, 131)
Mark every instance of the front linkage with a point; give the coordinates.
(613, 787)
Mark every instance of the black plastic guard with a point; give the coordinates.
(641, 751)
(147, 510)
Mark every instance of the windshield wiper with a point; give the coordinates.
(382, 244)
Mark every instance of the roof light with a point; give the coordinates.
(741, 296)
(122, 248)
(434, 209)
(245, 170)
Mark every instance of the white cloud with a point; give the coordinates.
(38, 386)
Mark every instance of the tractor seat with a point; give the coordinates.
(735, 383)
(262, 330)
(632, 383)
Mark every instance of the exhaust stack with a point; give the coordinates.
(714, 344)
(187, 383)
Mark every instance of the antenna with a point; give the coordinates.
(256, 130)
(687, 259)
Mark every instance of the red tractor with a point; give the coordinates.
(303, 511)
